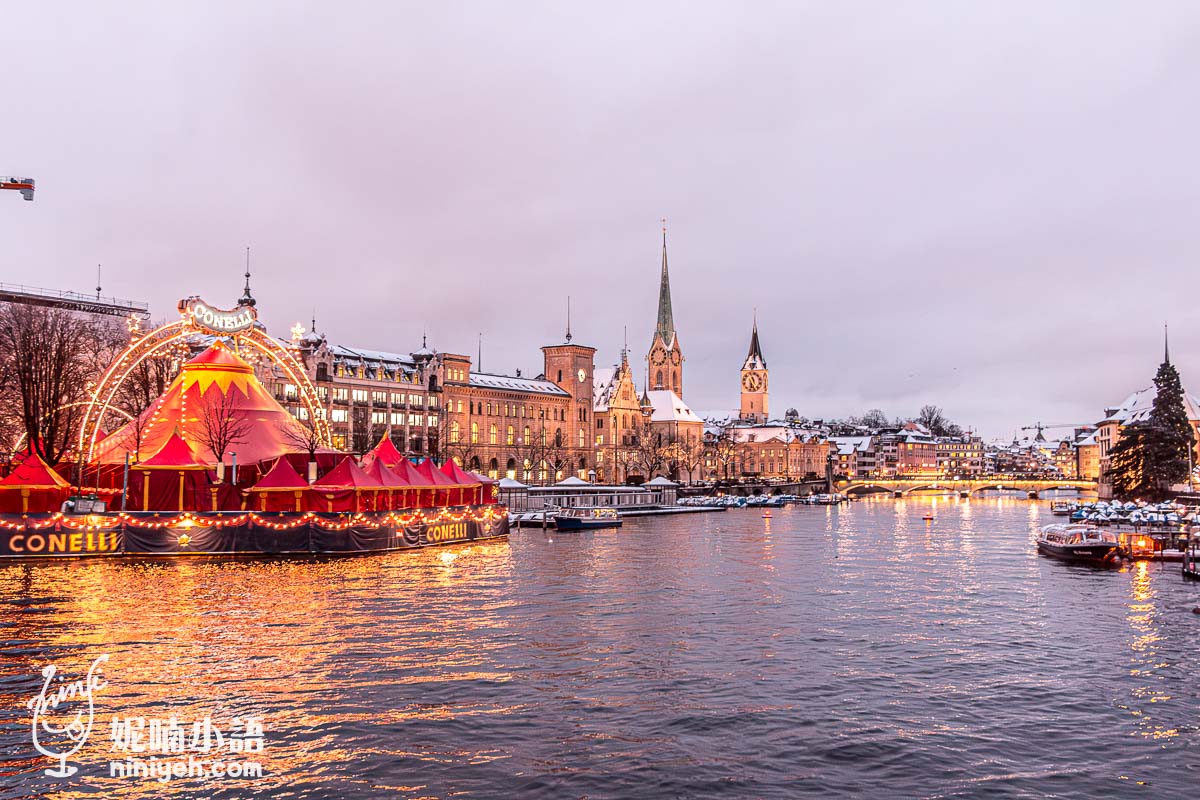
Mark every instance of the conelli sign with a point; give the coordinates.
(218, 320)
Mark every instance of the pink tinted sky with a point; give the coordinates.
(988, 207)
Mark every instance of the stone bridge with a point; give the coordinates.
(898, 487)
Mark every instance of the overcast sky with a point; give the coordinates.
(990, 207)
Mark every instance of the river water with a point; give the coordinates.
(834, 652)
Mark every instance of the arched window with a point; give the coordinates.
(658, 379)
(475, 463)
(322, 371)
(560, 376)
(510, 469)
(527, 440)
(581, 437)
(474, 433)
(493, 469)
(527, 470)
(558, 440)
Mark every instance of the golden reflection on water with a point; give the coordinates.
(200, 638)
(1142, 618)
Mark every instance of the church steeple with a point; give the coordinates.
(666, 356)
(666, 321)
(754, 380)
(754, 358)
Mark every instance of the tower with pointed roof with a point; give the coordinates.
(754, 381)
(665, 358)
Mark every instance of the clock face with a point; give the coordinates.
(675, 359)
(751, 382)
(582, 374)
(658, 358)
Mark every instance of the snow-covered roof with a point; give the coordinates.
(669, 407)
(603, 386)
(509, 483)
(572, 480)
(851, 444)
(1138, 405)
(340, 351)
(511, 384)
(661, 481)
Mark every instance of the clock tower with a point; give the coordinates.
(754, 381)
(665, 358)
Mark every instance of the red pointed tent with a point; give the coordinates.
(384, 452)
(32, 486)
(398, 488)
(167, 492)
(341, 488)
(281, 489)
(216, 376)
(449, 492)
(474, 491)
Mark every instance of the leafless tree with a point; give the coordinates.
(222, 427)
(49, 359)
(304, 437)
(723, 449)
(652, 450)
(689, 453)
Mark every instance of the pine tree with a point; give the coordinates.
(1127, 463)
(1154, 453)
(1168, 438)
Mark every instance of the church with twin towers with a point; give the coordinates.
(665, 358)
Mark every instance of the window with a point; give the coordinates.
(340, 395)
(378, 417)
(454, 432)
(359, 395)
(527, 440)
(414, 419)
(511, 436)
(474, 433)
(397, 399)
(581, 439)
(600, 423)
(397, 418)
(492, 434)
(379, 398)
(338, 415)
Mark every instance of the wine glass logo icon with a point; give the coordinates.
(78, 725)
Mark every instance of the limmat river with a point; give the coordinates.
(832, 652)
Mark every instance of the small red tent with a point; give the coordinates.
(166, 492)
(281, 489)
(449, 492)
(399, 489)
(342, 487)
(32, 486)
(384, 452)
(422, 490)
(474, 491)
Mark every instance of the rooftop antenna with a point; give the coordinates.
(314, 320)
(422, 336)
(97, 281)
(568, 319)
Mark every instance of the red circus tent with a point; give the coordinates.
(341, 488)
(32, 486)
(169, 474)
(424, 490)
(474, 492)
(281, 489)
(216, 381)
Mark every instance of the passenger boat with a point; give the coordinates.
(1082, 544)
(1191, 560)
(1062, 508)
(576, 519)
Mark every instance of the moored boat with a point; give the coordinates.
(576, 519)
(1062, 508)
(1082, 544)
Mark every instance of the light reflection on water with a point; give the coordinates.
(829, 651)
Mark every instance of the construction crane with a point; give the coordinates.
(1039, 427)
(22, 185)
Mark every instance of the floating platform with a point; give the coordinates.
(244, 533)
